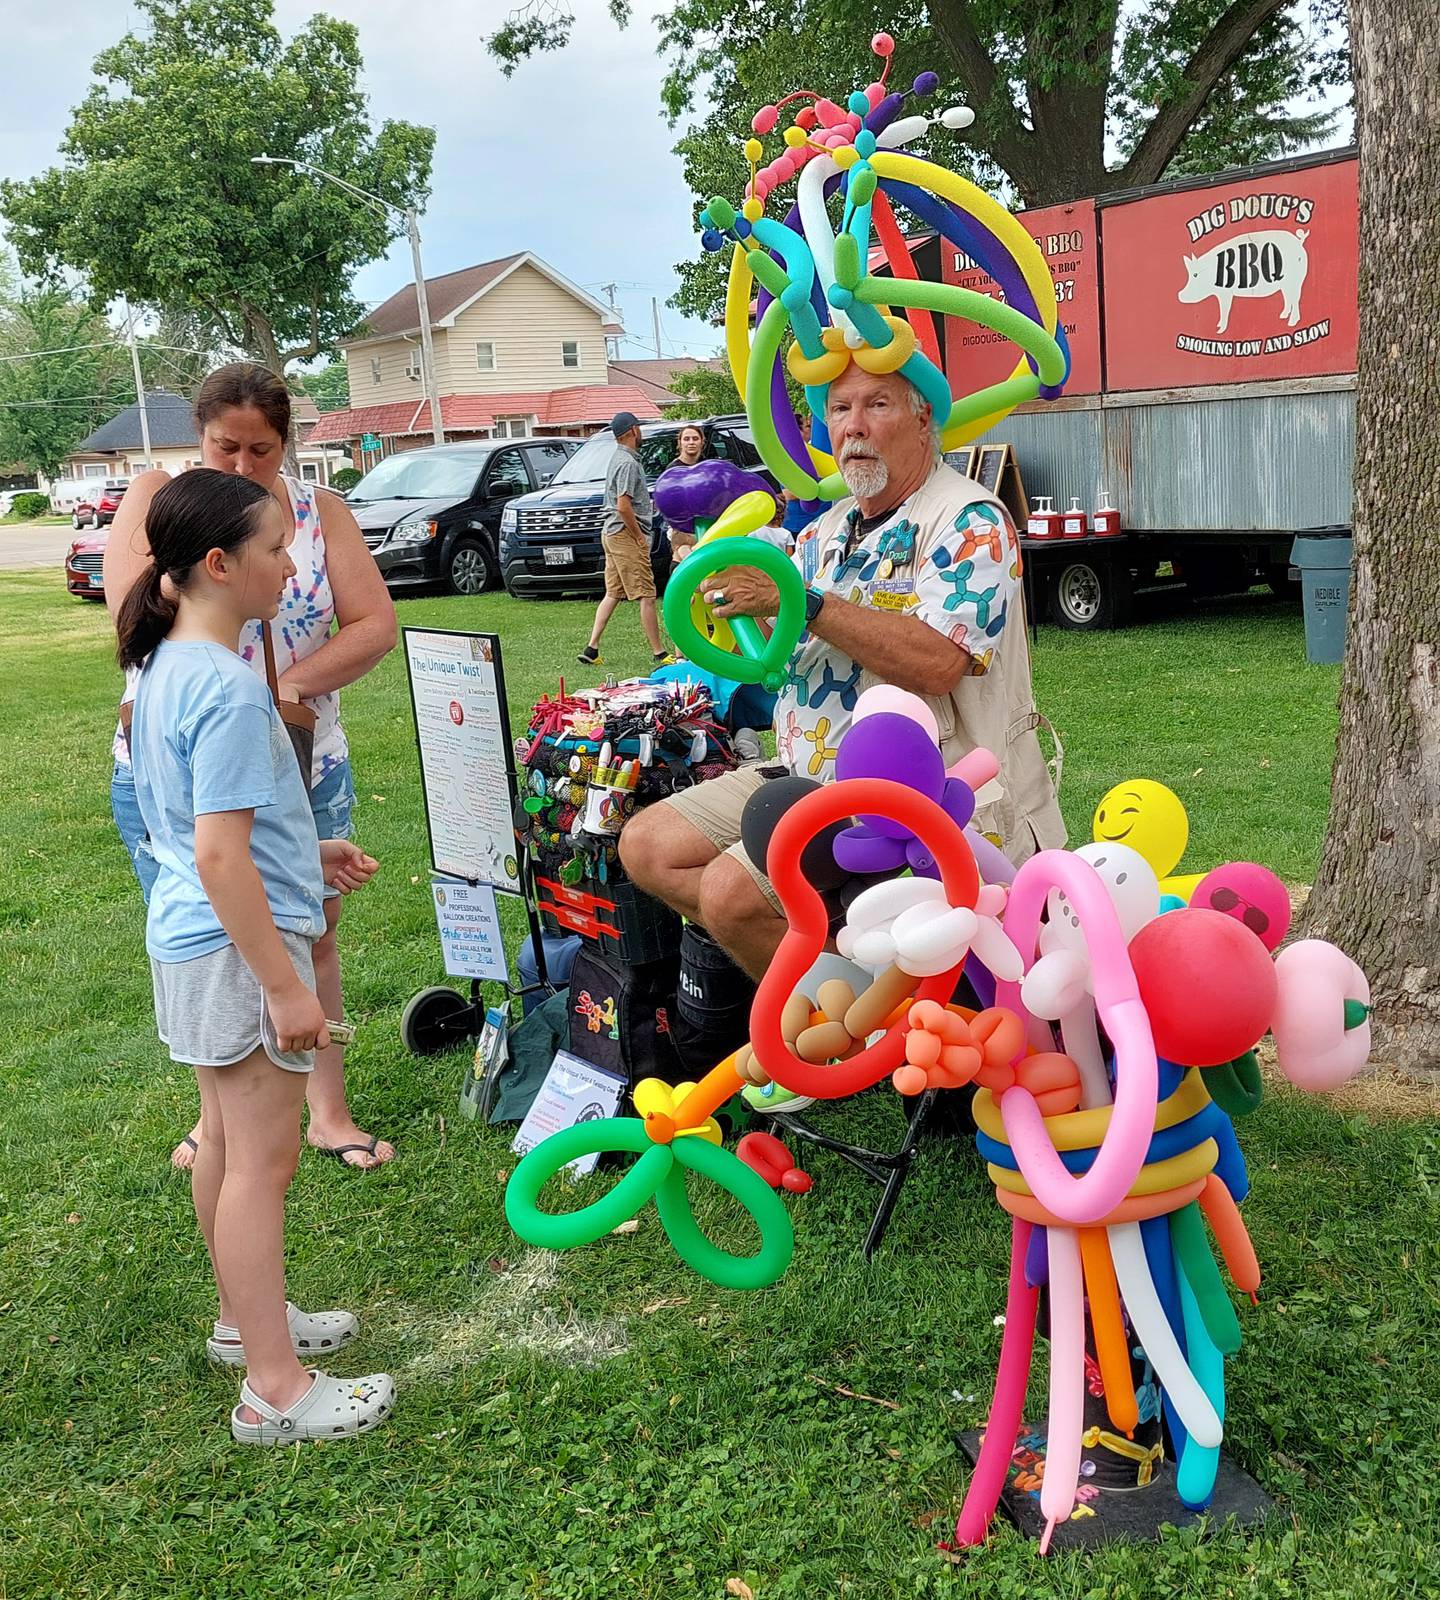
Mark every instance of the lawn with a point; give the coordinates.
(601, 1423)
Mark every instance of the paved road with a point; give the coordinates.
(29, 546)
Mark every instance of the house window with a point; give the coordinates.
(310, 471)
(94, 471)
(412, 367)
(374, 369)
(485, 355)
(570, 353)
(511, 427)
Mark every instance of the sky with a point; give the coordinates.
(570, 158)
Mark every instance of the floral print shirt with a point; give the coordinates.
(957, 569)
(302, 625)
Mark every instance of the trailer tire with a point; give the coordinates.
(1088, 594)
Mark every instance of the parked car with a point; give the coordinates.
(82, 566)
(7, 500)
(550, 541)
(67, 493)
(433, 516)
(99, 510)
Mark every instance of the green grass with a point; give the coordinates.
(10, 520)
(565, 1428)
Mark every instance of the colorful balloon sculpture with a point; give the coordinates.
(806, 271)
(1115, 1042)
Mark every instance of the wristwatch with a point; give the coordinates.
(814, 601)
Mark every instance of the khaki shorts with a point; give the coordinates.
(714, 809)
(628, 573)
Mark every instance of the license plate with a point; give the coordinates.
(96, 581)
(559, 555)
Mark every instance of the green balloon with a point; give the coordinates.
(560, 1232)
(1192, 1250)
(777, 1234)
(758, 660)
(1236, 1086)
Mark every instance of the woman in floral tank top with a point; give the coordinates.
(242, 413)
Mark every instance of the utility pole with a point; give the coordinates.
(612, 346)
(655, 321)
(139, 384)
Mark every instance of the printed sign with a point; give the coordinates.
(1233, 282)
(573, 1091)
(469, 924)
(466, 756)
(976, 357)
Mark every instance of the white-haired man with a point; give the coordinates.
(914, 581)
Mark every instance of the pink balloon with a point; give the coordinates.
(764, 120)
(1092, 1195)
(885, 697)
(882, 44)
(1251, 894)
(1067, 1380)
(874, 93)
(829, 113)
(1315, 1049)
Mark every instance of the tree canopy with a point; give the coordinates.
(1072, 97)
(156, 196)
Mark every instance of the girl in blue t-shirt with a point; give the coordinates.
(236, 907)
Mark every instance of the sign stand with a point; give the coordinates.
(467, 777)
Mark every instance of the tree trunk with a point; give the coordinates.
(262, 337)
(1378, 892)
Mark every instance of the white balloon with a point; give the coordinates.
(957, 117)
(883, 902)
(1129, 880)
(1057, 983)
(995, 949)
(902, 131)
(932, 938)
(874, 948)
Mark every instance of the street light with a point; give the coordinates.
(412, 230)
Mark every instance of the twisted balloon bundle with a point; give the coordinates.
(814, 286)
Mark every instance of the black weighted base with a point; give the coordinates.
(1110, 1514)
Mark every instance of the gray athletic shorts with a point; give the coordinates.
(211, 1011)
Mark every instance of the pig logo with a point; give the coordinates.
(1250, 266)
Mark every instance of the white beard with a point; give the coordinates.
(865, 476)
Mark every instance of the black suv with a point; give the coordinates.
(433, 516)
(550, 541)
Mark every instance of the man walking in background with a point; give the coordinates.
(629, 514)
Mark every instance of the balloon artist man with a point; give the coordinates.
(913, 580)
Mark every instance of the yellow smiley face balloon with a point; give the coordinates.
(1149, 818)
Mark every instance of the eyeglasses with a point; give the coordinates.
(1223, 899)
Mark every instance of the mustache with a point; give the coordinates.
(858, 452)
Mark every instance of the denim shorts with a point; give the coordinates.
(332, 800)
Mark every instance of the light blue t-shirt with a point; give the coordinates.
(206, 737)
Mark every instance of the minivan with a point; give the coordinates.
(432, 516)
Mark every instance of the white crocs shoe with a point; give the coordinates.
(312, 1333)
(332, 1408)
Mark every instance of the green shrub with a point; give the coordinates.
(346, 478)
(29, 506)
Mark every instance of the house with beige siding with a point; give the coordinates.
(519, 349)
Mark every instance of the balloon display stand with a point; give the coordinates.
(1103, 1515)
(890, 1171)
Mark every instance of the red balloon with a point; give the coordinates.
(1207, 983)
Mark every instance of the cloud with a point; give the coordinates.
(569, 158)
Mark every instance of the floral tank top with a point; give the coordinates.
(300, 627)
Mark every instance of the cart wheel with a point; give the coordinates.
(434, 1020)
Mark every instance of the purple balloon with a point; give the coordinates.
(684, 493)
(888, 745)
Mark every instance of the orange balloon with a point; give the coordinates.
(1112, 1350)
(1231, 1235)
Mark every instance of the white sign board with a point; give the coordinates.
(469, 924)
(458, 693)
(573, 1091)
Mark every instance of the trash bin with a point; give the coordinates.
(1323, 558)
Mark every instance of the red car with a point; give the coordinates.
(100, 512)
(82, 566)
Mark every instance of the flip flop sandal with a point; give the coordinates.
(312, 1333)
(340, 1151)
(332, 1408)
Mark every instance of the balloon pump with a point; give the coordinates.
(1106, 520)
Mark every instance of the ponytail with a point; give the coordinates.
(199, 511)
(146, 617)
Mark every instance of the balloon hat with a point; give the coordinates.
(815, 283)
